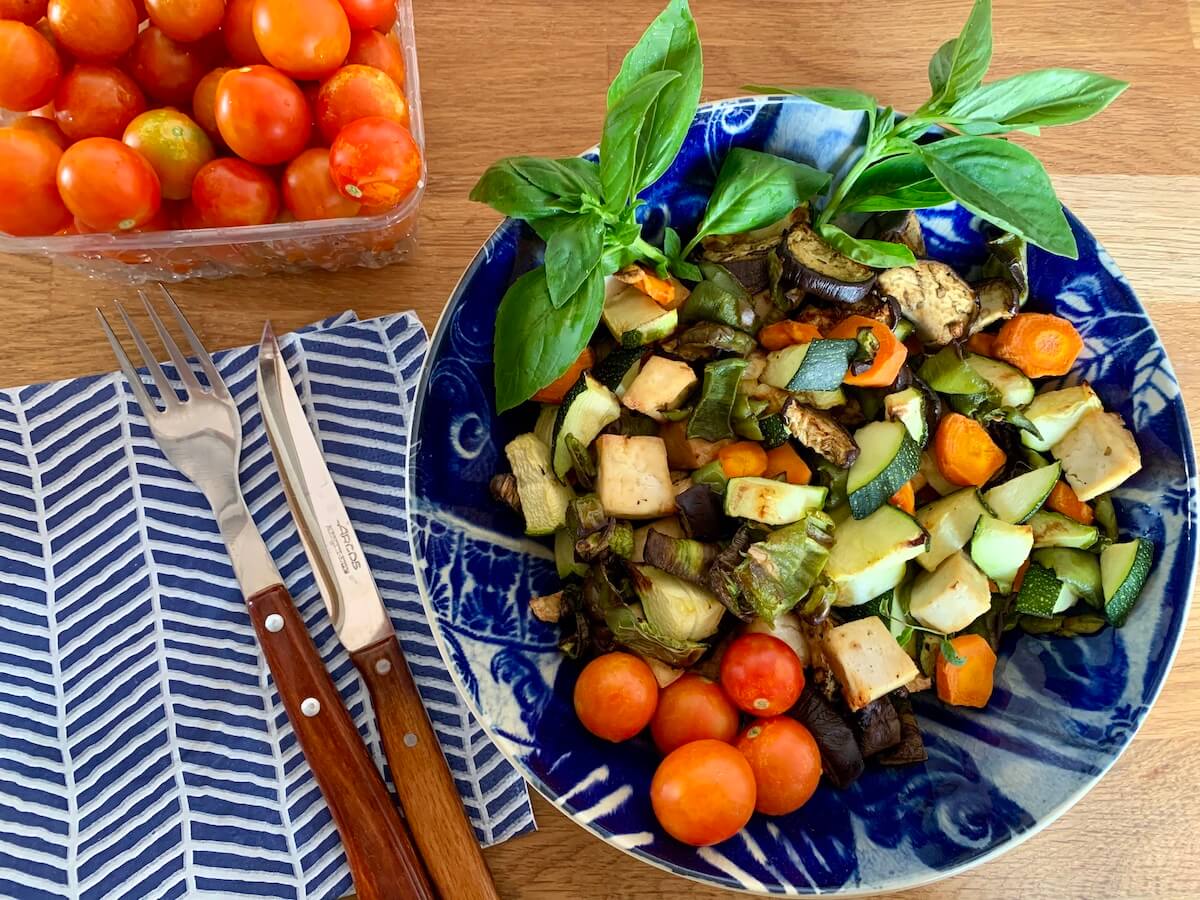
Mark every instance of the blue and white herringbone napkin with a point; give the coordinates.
(144, 752)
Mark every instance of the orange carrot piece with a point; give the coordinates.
(784, 460)
(982, 343)
(786, 333)
(664, 291)
(968, 684)
(1019, 578)
(965, 452)
(1038, 344)
(557, 389)
(905, 499)
(889, 358)
(1063, 499)
(742, 458)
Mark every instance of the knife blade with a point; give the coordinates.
(427, 792)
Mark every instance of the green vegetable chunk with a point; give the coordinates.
(779, 572)
(711, 420)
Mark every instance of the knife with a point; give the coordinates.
(428, 795)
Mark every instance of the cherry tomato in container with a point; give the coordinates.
(786, 762)
(28, 184)
(108, 186)
(703, 793)
(377, 14)
(94, 30)
(355, 92)
(380, 51)
(693, 708)
(615, 696)
(166, 69)
(229, 192)
(47, 128)
(238, 32)
(761, 674)
(96, 101)
(160, 221)
(186, 20)
(262, 115)
(304, 38)
(29, 68)
(204, 102)
(187, 216)
(375, 160)
(174, 145)
(309, 192)
(27, 11)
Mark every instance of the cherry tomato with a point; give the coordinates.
(786, 763)
(45, 127)
(94, 30)
(230, 191)
(615, 696)
(160, 221)
(167, 70)
(186, 20)
(761, 674)
(703, 793)
(355, 92)
(304, 38)
(29, 68)
(377, 14)
(187, 216)
(28, 168)
(375, 160)
(96, 101)
(204, 102)
(262, 115)
(174, 145)
(309, 191)
(693, 709)
(381, 51)
(108, 186)
(238, 32)
(27, 11)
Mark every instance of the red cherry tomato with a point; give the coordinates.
(94, 30)
(186, 20)
(204, 102)
(167, 70)
(230, 192)
(786, 763)
(304, 38)
(309, 191)
(692, 709)
(381, 51)
(96, 101)
(615, 696)
(761, 674)
(703, 793)
(188, 217)
(238, 33)
(375, 160)
(108, 186)
(160, 221)
(377, 14)
(28, 170)
(355, 92)
(174, 145)
(29, 68)
(47, 128)
(27, 11)
(262, 115)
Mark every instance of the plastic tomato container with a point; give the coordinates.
(372, 241)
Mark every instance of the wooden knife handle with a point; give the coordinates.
(379, 849)
(427, 792)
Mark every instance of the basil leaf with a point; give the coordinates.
(961, 68)
(680, 267)
(573, 249)
(530, 187)
(672, 243)
(939, 66)
(838, 98)
(980, 126)
(670, 43)
(1005, 184)
(1044, 97)
(902, 182)
(754, 189)
(624, 144)
(535, 343)
(880, 254)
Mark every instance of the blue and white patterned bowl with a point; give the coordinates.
(1062, 710)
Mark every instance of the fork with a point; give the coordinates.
(201, 435)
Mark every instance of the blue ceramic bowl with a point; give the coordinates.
(1062, 710)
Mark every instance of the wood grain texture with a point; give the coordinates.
(524, 76)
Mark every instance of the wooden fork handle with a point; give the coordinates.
(379, 849)
(426, 788)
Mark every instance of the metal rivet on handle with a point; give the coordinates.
(274, 622)
(311, 706)
(383, 666)
(410, 740)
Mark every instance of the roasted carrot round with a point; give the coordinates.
(742, 458)
(1038, 344)
(557, 389)
(784, 460)
(965, 452)
(982, 343)
(1063, 499)
(970, 683)
(889, 358)
(905, 499)
(786, 333)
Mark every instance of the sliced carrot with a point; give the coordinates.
(1019, 578)
(786, 333)
(557, 389)
(969, 683)
(1063, 499)
(965, 452)
(889, 358)
(784, 460)
(742, 458)
(905, 499)
(666, 292)
(982, 343)
(1038, 344)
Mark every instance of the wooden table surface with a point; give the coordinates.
(522, 76)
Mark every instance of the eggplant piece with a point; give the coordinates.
(580, 634)
(747, 256)
(504, 489)
(722, 575)
(813, 266)
(899, 227)
(615, 537)
(911, 748)
(820, 432)
(878, 727)
(826, 316)
(701, 512)
(684, 558)
(997, 301)
(841, 758)
(550, 608)
(934, 298)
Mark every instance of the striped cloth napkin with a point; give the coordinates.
(144, 752)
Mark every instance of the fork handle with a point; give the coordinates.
(379, 849)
